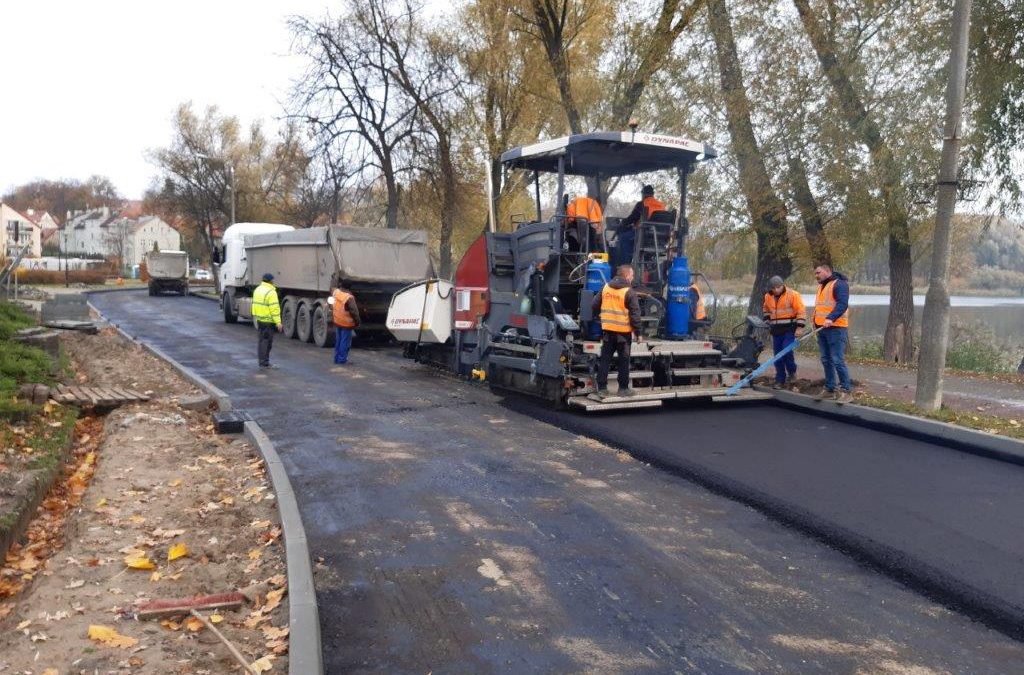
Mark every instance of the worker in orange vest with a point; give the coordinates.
(618, 307)
(642, 210)
(784, 311)
(832, 314)
(346, 318)
(586, 210)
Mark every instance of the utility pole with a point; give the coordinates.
(935, 323)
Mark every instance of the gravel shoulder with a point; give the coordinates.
(153, 505)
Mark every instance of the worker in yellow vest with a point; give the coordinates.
(832, 314)
(346, 318)
(266, 313)
(618, 307)
(783, 310)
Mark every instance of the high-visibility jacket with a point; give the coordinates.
(785, 311)
(342, 317)
(614, 314)
(699, 312)
(825, 304)
(584, 207)
(265, 307)
(651, 205)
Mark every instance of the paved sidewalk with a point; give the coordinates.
(990, 396)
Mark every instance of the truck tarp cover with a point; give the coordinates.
(364, 254)
(371, 254)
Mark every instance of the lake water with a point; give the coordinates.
(868, 314)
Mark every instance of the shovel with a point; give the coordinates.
(734, 389)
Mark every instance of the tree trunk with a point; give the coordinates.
(549, 18)
(899, 330)
(810, 214)
(394, 197)
(767, 210)
(935, 323)
(448, 205)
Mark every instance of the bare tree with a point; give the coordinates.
(349, 99)
(425, 68)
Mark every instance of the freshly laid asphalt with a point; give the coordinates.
(453, 533)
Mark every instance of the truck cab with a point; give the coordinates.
(233, 259)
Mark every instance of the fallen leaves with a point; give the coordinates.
(139, 562)
(262, 665)
(193, 624)
(109, 637)
(75, 583)
(179, 550)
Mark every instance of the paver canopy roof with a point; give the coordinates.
(608, 153)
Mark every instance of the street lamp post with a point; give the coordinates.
(231, 174)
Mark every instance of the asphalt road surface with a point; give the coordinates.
(456, 534)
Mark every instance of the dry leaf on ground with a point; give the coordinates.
(108, 636)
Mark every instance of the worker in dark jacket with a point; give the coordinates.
(832, 315)
(619, 310)
(346, 318)
(784, 311)
(642, 210)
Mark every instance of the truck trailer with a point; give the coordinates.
(168, 272)
(518, 312)
(372, 263)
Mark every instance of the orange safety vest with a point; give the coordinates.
(342, 317)
(786, 309)
(699, 314)
(825, 303)
(614, 315)
(586, 208)
(651, 205)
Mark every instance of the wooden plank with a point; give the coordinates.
(141, 397)
(121, 394)
(77, 395)
(103, 395)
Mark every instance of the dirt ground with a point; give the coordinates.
(154, 505)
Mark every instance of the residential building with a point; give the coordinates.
(17, 231)
(48, 225)
(117, 235)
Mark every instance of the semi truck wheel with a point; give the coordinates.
(323, 332)
(230, 315)
(304, 322)
(288, 306)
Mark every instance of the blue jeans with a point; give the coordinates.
(832, 345)
(787, 364)
(342, 343)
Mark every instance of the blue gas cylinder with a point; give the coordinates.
(599, 272)
(677, 320)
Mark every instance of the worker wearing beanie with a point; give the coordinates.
(784, 312)
(266, 313)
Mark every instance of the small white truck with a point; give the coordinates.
(168, 272)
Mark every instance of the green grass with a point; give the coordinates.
(20, 364)
(989, 423)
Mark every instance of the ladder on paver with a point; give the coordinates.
(7, 273)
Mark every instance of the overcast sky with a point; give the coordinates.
(88, 87)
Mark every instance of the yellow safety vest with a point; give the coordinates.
(265, 307)
(614, 315)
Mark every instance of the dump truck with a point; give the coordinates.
(168, 272)
(518, 312)
(372, 263)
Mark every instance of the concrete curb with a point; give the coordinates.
(972, 441)
(303, 617)
(203, 296)
(305, 656)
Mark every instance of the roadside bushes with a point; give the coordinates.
(993, 278)
(975, 348)
(92, 276)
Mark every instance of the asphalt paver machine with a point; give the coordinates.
(519, 311)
